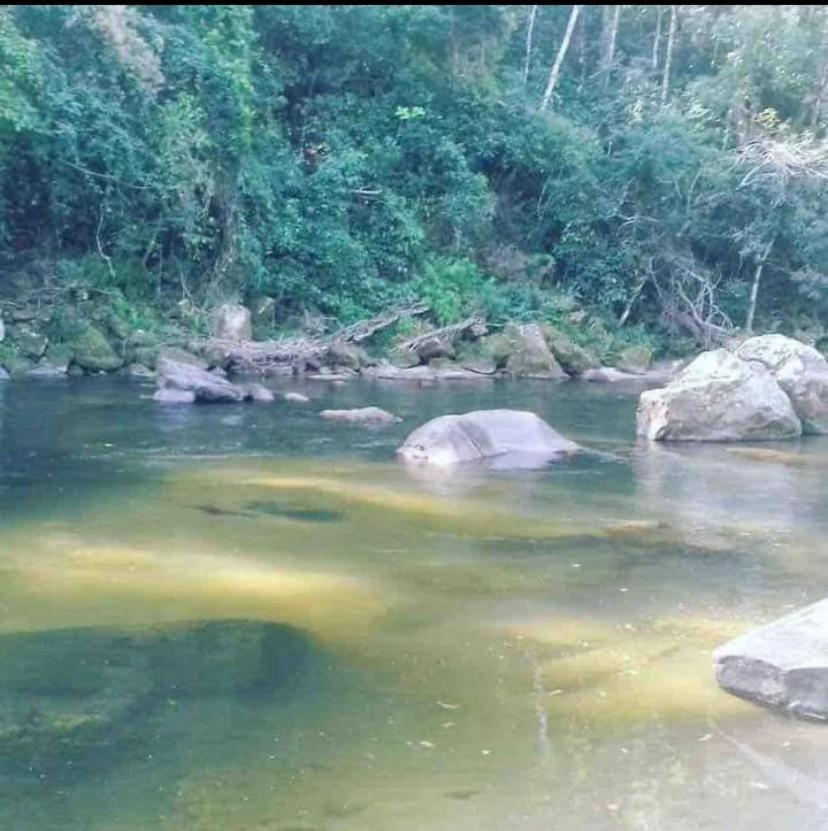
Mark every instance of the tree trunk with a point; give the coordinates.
(668, 60)
(754, 289)
(657, 39)
(556, 67)
(609, 53)
(822, 84)
(529, 29)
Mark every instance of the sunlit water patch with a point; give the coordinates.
(244, 617)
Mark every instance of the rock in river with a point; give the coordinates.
(783, 664)
(718, 397)
(512, 437)
(205, 386)
(364, 415)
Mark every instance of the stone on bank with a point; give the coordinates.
(783, 664)
(718, 397)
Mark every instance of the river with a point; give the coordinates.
(240, 617)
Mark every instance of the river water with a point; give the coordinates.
(243, 617)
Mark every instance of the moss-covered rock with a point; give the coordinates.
(30, 343)
(531, 356)
(346, 354)
(93, 352)
(635, 359)
(179, 356)
(403, 358)
(573, 358)
(18, 367)
(485, 356)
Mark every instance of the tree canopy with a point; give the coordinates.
(663, 164)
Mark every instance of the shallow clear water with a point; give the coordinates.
(244, 617)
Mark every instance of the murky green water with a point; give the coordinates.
(242, 617)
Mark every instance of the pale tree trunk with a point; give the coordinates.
(556, 67)
(609, 53)
(657, 40)
(530, 28)
(822, 84)
(754, 289)
(668, 59)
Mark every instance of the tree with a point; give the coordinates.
(556, 67)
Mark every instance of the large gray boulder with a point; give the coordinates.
(512, 437)
(718, 397)
(801, 372)
(783, 664)
(205, 386)
(233, 323)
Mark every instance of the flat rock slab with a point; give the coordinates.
(783, 664)
(365, 415)
(387, 372)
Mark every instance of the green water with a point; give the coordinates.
(244, 617)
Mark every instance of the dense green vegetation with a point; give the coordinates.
(342, 159)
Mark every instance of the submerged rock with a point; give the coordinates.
(783, 664)
(362, 415)
(67, 693)
(718, 397)
(296, 397)
(799, 370)
(515, 437)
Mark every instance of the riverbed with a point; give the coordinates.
(240, 617)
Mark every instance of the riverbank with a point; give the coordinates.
(88, 332)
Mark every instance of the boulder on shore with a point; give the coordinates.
(531, 356)
(801, 372)
(783, 664)
(233, 322)
(363, 415)
(718, 397)
(514, 438)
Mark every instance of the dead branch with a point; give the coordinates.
(446, 331)
(276, 356)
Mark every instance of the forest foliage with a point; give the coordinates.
(343, 159)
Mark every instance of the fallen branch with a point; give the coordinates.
(280, 355)
(452, 330)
